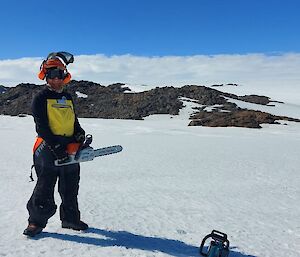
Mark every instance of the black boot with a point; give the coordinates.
(32, 230)
(80, 225)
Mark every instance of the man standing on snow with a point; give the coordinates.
(56, 126)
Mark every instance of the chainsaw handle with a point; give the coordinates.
(202, 244)
(88, 140)
(217, 236)
(221, 237)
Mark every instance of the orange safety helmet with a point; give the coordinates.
(53, 61)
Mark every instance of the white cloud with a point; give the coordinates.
(264, 72)
(17, 71)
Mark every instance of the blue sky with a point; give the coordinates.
(149, 27)
(254, 43)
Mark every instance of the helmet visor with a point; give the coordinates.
(67, 57)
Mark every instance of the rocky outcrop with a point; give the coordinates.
(228, 84)
(256, 99)
(112, 103)
(2, 89)
(236, 118)
(17, 100)
(115, 101)
(118, 87)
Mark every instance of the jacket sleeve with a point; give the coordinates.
(39, 112)
(78, 128)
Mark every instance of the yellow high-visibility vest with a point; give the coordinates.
(61, 116)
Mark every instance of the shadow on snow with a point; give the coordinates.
(132, 241)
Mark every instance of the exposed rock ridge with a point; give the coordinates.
(117, 102)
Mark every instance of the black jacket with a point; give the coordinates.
(55, 118)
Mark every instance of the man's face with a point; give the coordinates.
(56, 83)
(55, 78)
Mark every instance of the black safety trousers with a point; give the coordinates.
(41, 205)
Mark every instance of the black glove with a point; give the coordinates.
(79, 136)
(60, 153)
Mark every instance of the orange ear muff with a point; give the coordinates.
(67, 78)
(41, 75)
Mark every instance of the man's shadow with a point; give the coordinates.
(132, 241)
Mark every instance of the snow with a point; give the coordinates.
(285, 92)
(212, 107)
(283, 109)
(136, 88)
(171, 186)
(81, 95)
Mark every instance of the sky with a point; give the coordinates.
(149, 27)
(155, 41)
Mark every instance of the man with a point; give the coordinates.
(56, 126)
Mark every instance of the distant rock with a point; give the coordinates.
(2, 89)
(118, 87)
(228, 84)
(257, 99)
(17, 100)
(237, 118)
(217, 85)
(116, 101)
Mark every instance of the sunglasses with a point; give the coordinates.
(55, 73)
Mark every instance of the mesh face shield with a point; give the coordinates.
(65, 56)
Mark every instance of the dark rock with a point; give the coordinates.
(257, 99)
(17, 100)
(118, 88)
(2, 89)
(217, 85)
(204, 95)
(238, 118)
(114, 102)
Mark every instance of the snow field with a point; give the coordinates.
(171, 185)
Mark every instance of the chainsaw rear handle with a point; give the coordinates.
(217, 236)
(88, 140)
